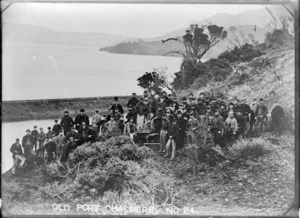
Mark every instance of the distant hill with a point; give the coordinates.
(158, 48)
(245, 23)
(25, 33)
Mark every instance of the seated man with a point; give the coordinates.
(130, 128)
(19, 159)
(71, 145)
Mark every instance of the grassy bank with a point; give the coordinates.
(54, 108)
(254, 177)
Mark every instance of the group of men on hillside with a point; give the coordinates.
(219, 123)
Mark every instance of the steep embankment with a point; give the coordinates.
(54, 108)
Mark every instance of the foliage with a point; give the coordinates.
(244, 53)
(279, 38)
(198, 40)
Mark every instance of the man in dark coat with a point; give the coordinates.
(142, 111)
(66, 123)
(91, 134)
(18, 157)
(262, 112)
(83, 133)
(34, 135)
(277, 115)
(70, 146)
(217, 128)
(73, 134)
(56, 128)
(223, 112)
(167, 100)
(27, 143)
(80, 118)
(242, 122)
(133, 101)
(131, 113)
(117, 105)
(51, 148)
(173, 130)
(181, 122)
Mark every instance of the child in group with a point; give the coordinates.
(112, 124)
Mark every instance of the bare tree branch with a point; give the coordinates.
(270, 12)
(288, 10)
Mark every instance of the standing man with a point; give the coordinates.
(66, 123)
(80, 118)
(96, 120)
(253, 113)
(17, 152)
(116, 105)
(83, 133)
(277, 116)
(34, 135)
(262, 112)
(231, 127)
(131, 113)
(133, 101)
(181, 122)
(217, 130)
(166, 99)
(142, 111)
(27, 144)
(56, 128)
(241, 121)
(173, 137)
(41, 138)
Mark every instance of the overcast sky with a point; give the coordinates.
(136, 20)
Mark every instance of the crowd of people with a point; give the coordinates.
(177, 124)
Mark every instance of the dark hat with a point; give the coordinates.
(81, 110)
(116, 98)
(35, 127)
(184, 99)
(66, 112)
(261, 99)
(133, 93)
(201, 93)
(55, 120)
(49, 127)
(17, 139)
(207, 98)
(211, 114)
(97, 111)
(178, 112)
(191, 94)
(141, 98)
(28, 130)
(129, 105)
(163, 92)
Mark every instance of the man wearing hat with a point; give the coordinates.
(83, 133)
(253, 113)
(133, 101)
(56, 128)
(27, 144)
(142, 111)
(117, 105)
(166, 99)
(218, 128)
(131, 113)
(41, 138)
(49, 133)
(245, 109)
(66, 123)
(91, 134)
(175, 105)
(241, 121)
(18, 157)
(34, 135)
(181, 122)
(262, 112)
(80, 118)
(223, 112)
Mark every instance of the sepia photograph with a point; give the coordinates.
(162, 108)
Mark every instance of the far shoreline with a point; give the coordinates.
(44, 109)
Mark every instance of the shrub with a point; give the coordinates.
(243, 150)
(279, 38)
